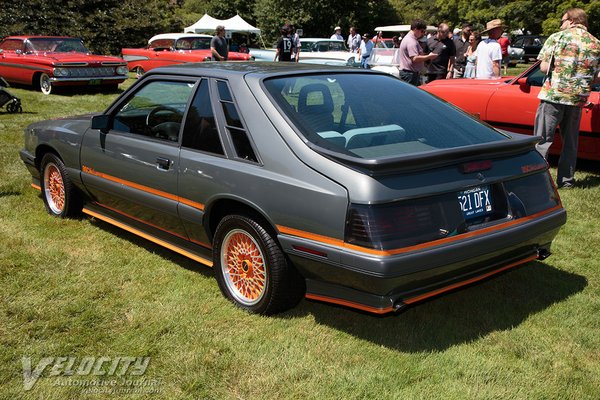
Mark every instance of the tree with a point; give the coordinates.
(319, 17)
(105, 25)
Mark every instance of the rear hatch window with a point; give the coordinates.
(372, 116)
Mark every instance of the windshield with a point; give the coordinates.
(374, 116)
(324, 45)
(56, 45)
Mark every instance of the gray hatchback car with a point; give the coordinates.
(335, 184)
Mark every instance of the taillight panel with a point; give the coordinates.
(414, 221)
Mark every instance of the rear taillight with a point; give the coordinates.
(531, 194)
(403, 223)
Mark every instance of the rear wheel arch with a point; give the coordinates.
(221, 208)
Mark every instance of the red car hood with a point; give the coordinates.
(469, 82)
(73, 57)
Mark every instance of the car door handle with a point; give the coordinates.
(163, 163)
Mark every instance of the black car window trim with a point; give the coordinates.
(227, 152)
(527, 73)
(125, 97)
(224, 127)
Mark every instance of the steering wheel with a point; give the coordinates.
(150, 123)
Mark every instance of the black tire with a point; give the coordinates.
(61, 197)
(260, 279)
(111, 88)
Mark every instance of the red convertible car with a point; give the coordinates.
(173, 48)
(49, 61)
(511, 103)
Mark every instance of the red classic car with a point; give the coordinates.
(510, 103)
(173, 48)
(48, 61)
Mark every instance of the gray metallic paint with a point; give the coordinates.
(292, 186)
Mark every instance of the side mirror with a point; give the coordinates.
(101, 122)
(524, 85)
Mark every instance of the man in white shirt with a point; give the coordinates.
(364, 51)
(353, 40)
(489, 52)
(337, 35)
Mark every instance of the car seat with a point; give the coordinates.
(319, 116)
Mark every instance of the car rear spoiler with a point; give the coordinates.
(516, 144)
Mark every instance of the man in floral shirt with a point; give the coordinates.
(571, 57)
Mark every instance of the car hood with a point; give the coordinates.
(469, 82)
(75, 58)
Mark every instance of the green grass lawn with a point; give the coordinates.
(81, 288)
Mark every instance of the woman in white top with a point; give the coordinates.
(471, 55)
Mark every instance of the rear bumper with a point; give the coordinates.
(382, 284)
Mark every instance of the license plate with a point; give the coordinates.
(475, 202)
(95, 81)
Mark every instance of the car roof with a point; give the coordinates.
(256, 69)
(21, 37)
(320, 40)
(176, 36)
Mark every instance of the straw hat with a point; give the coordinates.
(493, 24)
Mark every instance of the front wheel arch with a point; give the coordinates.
(35, 82)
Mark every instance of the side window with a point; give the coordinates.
(156, 110)
(11, 45)
(200, 131)
(536, 77)
(161, 44)
(233, 123)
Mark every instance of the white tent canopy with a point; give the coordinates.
(233, 24)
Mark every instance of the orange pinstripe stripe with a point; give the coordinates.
(349, 304)
(340, 243)
(146, 236)
(154, 226)
(143, 188)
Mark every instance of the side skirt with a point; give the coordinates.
(190, 250)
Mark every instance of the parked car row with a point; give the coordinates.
(45, 62)
(171, 49)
